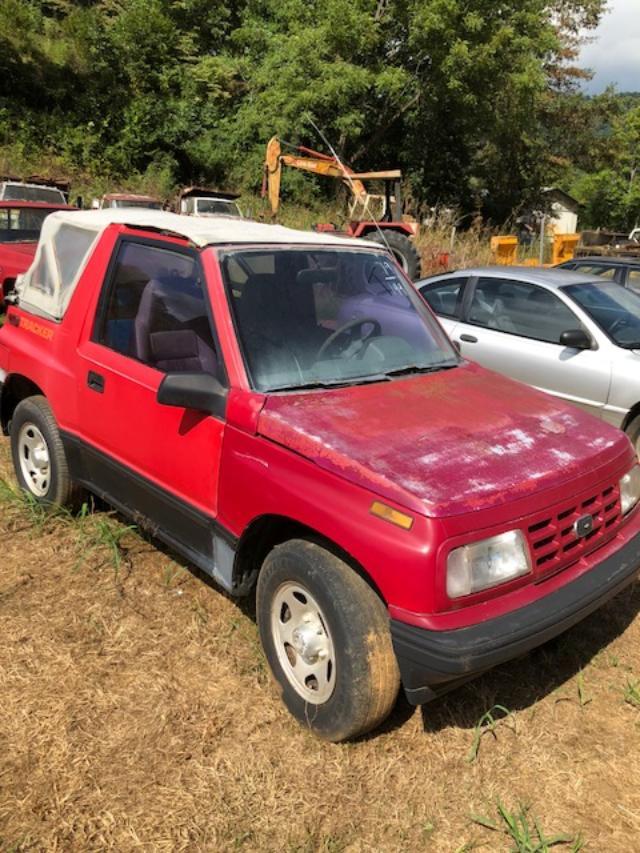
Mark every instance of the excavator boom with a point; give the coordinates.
(319, 164)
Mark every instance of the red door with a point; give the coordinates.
(159, 462)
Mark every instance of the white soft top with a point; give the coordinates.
(68, 237)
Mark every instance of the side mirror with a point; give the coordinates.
(199, 391)
(575, 339)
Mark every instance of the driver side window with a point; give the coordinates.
(520, 308)
(155, 311)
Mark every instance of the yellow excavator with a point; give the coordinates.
(376, 217)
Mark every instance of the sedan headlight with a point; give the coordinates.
(630, 489)
(487, 563)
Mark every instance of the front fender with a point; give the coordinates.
(261, 478)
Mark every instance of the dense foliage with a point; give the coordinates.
(472, 99)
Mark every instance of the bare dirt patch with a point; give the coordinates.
(136, 713)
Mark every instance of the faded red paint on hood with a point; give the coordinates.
(444, 443)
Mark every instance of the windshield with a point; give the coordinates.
(22, 192)
(614, 308)
(21, 224)
(309, 317)
(208, 206)
(150, 205)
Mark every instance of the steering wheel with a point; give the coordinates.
(356, 323)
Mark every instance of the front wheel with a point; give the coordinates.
(326, 637)
(38, 456)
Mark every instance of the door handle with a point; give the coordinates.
(95, 382)
(470, 339)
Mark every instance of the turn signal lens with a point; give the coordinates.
(388, 513)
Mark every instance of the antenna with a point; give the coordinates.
(348, 179)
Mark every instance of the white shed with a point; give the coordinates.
(564, 210)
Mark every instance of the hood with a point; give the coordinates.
(18, 252)
(445, 443)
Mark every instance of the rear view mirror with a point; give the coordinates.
(199, 391)
(575, 339)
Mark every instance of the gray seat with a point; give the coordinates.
(163, 341)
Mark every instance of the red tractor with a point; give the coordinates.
(389, 229)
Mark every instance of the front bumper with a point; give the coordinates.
(433, 662)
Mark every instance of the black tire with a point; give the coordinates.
(366, 677)
(633, 431)
(402, 249)
(51, 486)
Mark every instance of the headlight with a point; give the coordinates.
(630, 489)
(487, 563)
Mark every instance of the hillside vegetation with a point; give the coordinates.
(477, 103)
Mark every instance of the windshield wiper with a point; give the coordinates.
(338, 383)
(417, 368)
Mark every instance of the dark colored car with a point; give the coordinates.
(625, 271)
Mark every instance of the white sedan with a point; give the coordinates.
(569, 334)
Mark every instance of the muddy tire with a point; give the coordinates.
(402, 249)
(38, 455)
(326, 637)
(633, 431)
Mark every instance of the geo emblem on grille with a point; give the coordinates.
(583, 526)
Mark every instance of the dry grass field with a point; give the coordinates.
(136, 713)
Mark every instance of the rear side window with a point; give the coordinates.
(596, 269)
(154, 310)
(71, 246)
(445, 298)
(519, 308)
(633, 280)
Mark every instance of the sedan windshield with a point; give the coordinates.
(311, 318)
(614, 308)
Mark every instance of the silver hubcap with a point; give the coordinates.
(34, 459)
(303, 643)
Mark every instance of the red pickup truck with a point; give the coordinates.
(282, 409)
(20, 224)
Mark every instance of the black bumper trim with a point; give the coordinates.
(432, 662)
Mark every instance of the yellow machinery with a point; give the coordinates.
(504, 250)
(385, 225)
(563, 247)
(320, 164)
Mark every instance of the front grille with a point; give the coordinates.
(552, 538)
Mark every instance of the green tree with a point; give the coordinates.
(470, 100)
(610, 194)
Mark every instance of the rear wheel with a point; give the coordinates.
(38, 454)
(326, 636)
(402, 249)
